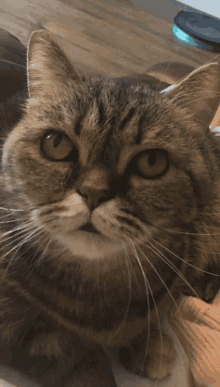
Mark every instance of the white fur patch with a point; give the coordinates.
(90, 245)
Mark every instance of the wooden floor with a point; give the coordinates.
(117, 38)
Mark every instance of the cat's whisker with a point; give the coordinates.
(195, 267)
(17, 247)
(29, 238)
(210, 251)
(204, 242)
(17, 227)
(209, 61)
(10, 216)
(10, 261)
(209, 92)
(11, 209)
(212, 59)
(156, 272)
(147, 293)
(18, 238)
(172, 266)
(170, 294)
(43, 253)
(171, 232)
(190, 117)
(147, 286)
(12, 221)
(13, 240)
(183, 93)
(21, 239)
(165, 72)
(128, 263)
(5, 215)
(25, 227)
(187, 263)
(33, 260)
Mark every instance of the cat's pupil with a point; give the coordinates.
(57, 140)
(152, 159)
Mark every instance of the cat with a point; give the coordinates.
(110, 198)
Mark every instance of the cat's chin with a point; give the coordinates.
(90, 245)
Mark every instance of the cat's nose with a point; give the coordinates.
(93, 197)
(94, 187)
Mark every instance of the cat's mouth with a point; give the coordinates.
(89, 228)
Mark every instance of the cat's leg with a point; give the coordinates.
(52, 364)
(151, 355)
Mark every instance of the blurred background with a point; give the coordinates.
(113, 37)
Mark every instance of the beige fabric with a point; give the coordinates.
(197, 325)
(216, 120)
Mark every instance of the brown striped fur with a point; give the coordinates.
(67, 293)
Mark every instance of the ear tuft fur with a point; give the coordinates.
(199, 93)
(48, 67)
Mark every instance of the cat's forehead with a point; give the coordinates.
(113, 117)
(116, 111)
(117, 117)
(118, 95)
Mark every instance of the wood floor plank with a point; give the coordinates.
(116, 38)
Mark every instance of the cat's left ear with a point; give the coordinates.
(49, 70)
(199, 94)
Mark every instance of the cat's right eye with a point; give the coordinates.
(56, 146)
(152, 163)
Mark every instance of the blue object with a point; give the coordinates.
(198, 30)
(183, 36)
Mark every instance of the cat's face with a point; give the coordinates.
(102, 165)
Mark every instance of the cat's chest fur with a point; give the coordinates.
(105, 311)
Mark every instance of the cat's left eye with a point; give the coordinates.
(152, 163)
(56, 146)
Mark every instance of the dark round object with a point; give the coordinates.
(204, 29)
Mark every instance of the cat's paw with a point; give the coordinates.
(211, 289)
(156, 364)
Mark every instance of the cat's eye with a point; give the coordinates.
(152, 163)
(56, 146)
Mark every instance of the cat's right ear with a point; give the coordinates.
(199, 94)
(49, 70)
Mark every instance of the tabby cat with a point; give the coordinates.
(110, 210)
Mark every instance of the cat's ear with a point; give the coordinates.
(48, 67)
(199, 94)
